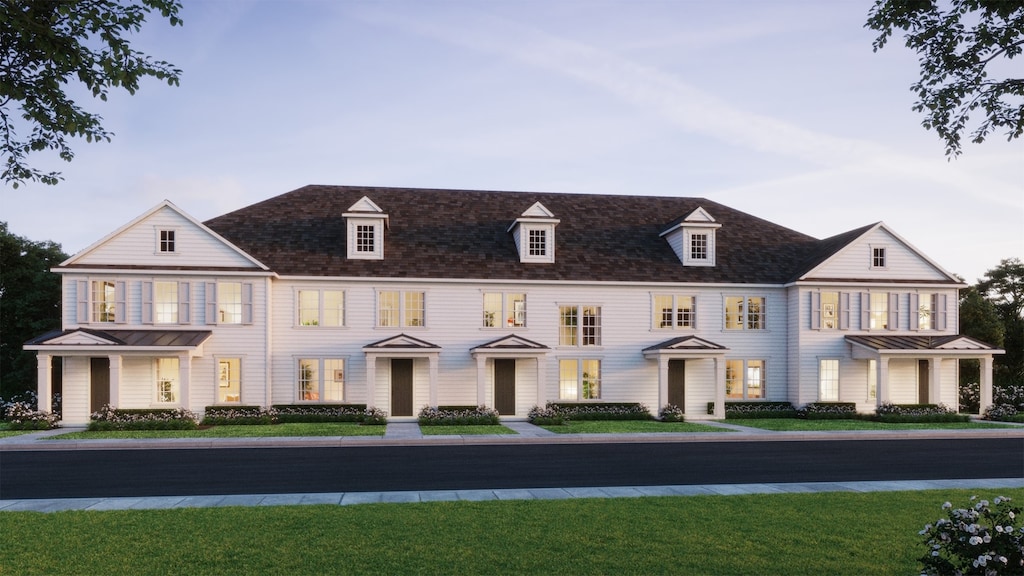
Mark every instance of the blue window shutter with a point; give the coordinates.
(940, 311)
(120, 306)
(211, 302)
(247, 303)
(894, 310)
(147, 302)
(865, 311)
(82, 296)
(844, 310)
(815, 310)
(915, 311)
(184, 304)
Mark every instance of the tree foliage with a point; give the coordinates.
(48, 45)
(29, 305)
(1004, 287)
(959, 43)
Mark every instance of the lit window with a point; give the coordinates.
(879, 311)
(104, 294)
(167, 241)
(229, 302)
(165, 302)
(321, 380)
(828, 380)
(321, 308)
(229, 380)
(878, 257)
(674, 311)
(579, 379)
(829, 310)
(396, 309)
(745, 313)
(926, 312)
(579, 326)
(309, 380)
(166, 380)
(745, 379)
(504, 310)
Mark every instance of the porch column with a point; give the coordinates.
(184, 379)
(433, 378)
(542, 366)
(481, 380)
(719, 388)
(882, 380)
(44, 373)
(371, 379)
(115, 380)
(934, 380)
(663, 382)
(985, 386)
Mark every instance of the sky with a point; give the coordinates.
(778, 108)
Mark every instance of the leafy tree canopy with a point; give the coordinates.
(45, 46)
(959, 42)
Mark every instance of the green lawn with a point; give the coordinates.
(813, 534)
(629, 427)
(289, 429)
(799, 425)
(5, 430)
(464, 430)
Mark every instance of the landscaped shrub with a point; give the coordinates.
(601, 410)
(320, 412)
(22, 416)
(458, 416)
(546, 416)
(237, 416)
(29, 400)
(985, 539)
(829, 411)
(911, 413)
(969, 396)
(374, 417)
(110, 418)
(1003, 413)
(670, 413)
(735, 410)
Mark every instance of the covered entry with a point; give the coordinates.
(399, 356)
(503, 374)
(689, 354)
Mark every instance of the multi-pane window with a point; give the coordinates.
(698, 246)
(878, 257)
(229, 380)
(396, 309)
(321, 379)
(745, 379)
(579, 326)
(745, 313)
(504, 310)
(830, 310)
(579, 379)
(229, 302)
(926, 312)
(879, 310)
(165, 302)
(321, 308)
(365, 238)
(167, 241)
(537, 242)
(872, 380)
(674, 311)
(166, 380)
(103, 301)
(828, 380)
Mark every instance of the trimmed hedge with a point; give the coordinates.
(109, 418)
(601, 410)
(753, 409)
(237, 416)
(913, 413)
(829, 411)
(458, 416)
(320, 412)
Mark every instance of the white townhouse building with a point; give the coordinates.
(399, 298)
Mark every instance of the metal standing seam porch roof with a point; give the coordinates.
(925, 344)
(179, 339)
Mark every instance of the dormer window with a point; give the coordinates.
(365, 239)
(534, 234)
(165, 241)
(693, 239)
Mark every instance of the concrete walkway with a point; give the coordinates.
(402, 433)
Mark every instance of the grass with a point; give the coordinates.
(629, 427)
(287, 429)
(829, 533)
(799, 425)
(464, 430)
(5, 430)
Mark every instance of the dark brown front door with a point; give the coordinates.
(99, 383)
(401, 387)
(505, 386)
(922, 381)
(677, 383)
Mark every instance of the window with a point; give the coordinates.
(538, 242)
(504, 310)
(104, 294)
(579, 326)
(166, 380)
(674, 311)
(321, 379)
(879, 311)
(828, 380)
(829, 310)
(698, 246)
(872, 380)
(745, 379)
(165, 302)
(579, 379)
(925, 311)
(744, 313)
(366, 238)
(229, 380)
(166, 241)
(229, 302)
(396, 309)
(878, 257)
(321, 308)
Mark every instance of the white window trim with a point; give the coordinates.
(579, 378)
(353, 222)
(505, 312)
(549, 242)
(579, 327)
(839, 378)
(297, 309)
(871, 256)
(688, 232)
(158, 243)
(401, 309)
(675, 296)
(321, 378)
(743, 379)
(744, 315)
(216, 379)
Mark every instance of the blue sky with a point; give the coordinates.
(777, 108)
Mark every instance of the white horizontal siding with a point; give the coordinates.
(902, 262)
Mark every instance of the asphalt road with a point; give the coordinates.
(178, 472)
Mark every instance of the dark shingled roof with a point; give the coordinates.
(464, 234)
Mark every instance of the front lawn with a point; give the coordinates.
(287, 429)
(629, 427)
(799, 425)
(465, 430)
(5, 431)
(830, 533)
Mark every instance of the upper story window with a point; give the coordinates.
(365, 223)
(165, 302)
(745, 313)
(366, 238)
(502, 309)
(229, 303)
(538, 245)
(693, 239)
(928, 311)
(534, 234)
(401, 309)
(579, 326)
(698, 246)
(878, 311)
(878, 257)
(101, 301)
(830, 310)
(104, 301)
(166, 242)
(745, 379)
(321, 308)
(674, 311)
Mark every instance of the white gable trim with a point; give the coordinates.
(699, 215)
(897, 237)
(538, 210)
(365, 205)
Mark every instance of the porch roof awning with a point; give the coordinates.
(686, 346)
(510, 343)
(954, 345)
(91, 340)
(401, 342)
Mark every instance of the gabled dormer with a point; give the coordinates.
(365, 223)
(693, 239)
(534, 234)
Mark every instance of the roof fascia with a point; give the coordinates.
(835, 254)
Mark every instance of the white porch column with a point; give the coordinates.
(433, 362)
(115, 380)
(184, 379)
(542, 367)
(44, 375)
(882, 381)
(720, 388)
(985, 386)
(371, 379)
(934, 380)
(481, 380)
(663, 382)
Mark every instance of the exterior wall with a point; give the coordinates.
(902, 262)
(75, 393)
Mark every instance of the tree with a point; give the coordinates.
(29, 305)
(1004, 287)
(45, 46)
(958, 46)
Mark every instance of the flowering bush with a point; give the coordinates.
(828, 411)
(888, 412)
(1007, 404)
(670, 413)
(22, 416)
(969, 395)
(31, 399)
(238, 416)
(110, 418)
(601, 410)
(759, 410)
(320, 412)
(1003, 412)
(458, 416)
(546, 416)
(374, 417)
(983, 539)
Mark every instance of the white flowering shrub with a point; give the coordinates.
(373, 416)
(758, 409)
(888, 412)
(970, 397)
(458, 416)
(546, 416)
(319, 412)
(670, 413)
(828, 411)
(23, 416)
(110, 418)
(985, 539)
(601, 410)
(1007, 404)
(238, 416)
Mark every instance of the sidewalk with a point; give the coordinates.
(409, 434)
